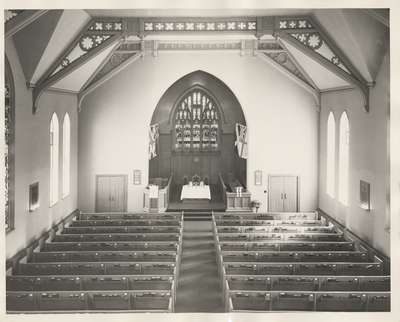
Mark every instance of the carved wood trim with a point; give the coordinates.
(21, 21)
(38, 90)
(328, 65)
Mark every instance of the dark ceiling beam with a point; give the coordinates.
(47, 74)
(335, 48)
(49, 78)
(89, 80)
(363, 87)
(299, 67)
(38, 89)
(21, 21)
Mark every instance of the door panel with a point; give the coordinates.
(276, 186)
(102, 194)
(290, 191)
(111, 193)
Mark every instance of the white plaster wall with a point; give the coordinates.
(368, 160)
(32, 158)
(281, 117)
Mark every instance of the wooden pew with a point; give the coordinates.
(103, 256)
(288, 246)
(84, 301)
(89, 282)
(166, 237)
(130, 216)
(96, 268)
(126, 222)
(268, 216)
(121, 229)
(114, 246)
(307, 283)
(344, 269)
(304, 256)
(307, 301)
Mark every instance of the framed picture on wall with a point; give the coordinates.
(365, 195)
(33, 196)
(137, 177)
(258, 178)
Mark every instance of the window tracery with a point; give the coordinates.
(196, 123)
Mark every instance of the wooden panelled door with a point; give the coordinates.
(111, 193)
(283, 194)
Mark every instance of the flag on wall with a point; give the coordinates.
(153, 141)
(241, 140)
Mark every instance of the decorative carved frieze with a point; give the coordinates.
(10, 14)
(97, 33)
(206, 25)
(283, 59)
(293, 23)
(315, 42)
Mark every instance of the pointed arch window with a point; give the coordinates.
(344, 141)
(54, 148)
(330, 156)
(196, 123)
(66, 156)
(9, 126)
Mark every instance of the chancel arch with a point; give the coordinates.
(196, 121)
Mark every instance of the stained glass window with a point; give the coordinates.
(196, 122)
(9, 147)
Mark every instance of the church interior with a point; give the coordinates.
(171, 161)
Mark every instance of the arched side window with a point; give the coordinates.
(54, 145)
(344, 140)
(9, 126)
(330, 156)
(66, 156)
(196, 122)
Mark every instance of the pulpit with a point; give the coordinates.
(156, 195)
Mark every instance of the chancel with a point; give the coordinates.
(227, 161)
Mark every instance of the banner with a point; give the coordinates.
(153, 141)
(241, 140)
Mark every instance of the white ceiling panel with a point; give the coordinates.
(194, 12)
(68, 28)
(322, 77)
(75, 80)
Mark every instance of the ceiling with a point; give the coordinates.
(360, 36)
(195, 13)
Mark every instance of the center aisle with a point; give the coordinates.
(199, 286)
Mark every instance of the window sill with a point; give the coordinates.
(65, 197)
(9, 230)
